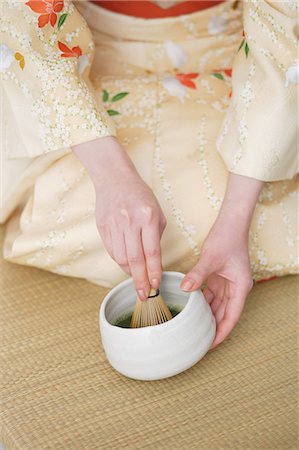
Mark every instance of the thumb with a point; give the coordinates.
(195, 278)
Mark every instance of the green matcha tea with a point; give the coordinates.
(125, 320)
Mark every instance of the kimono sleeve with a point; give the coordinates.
(259, 135)
(46, 53)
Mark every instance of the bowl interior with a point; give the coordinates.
(122, 299)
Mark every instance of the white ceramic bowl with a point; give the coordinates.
(160, 351)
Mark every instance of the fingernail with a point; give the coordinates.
(186, 285)
(142, 294)
(155, 283)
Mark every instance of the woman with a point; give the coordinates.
(119, 124)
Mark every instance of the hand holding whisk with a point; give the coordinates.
(152, 311)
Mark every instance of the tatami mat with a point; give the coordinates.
(59, 392)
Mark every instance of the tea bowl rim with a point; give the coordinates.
(142, 330)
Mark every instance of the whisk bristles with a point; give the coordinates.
(152, 311)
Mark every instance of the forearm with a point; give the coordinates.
(239, 203)
(102, 157)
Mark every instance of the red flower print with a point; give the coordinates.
(47, 10)
(228, 72)
(185, 79)
(69, 52)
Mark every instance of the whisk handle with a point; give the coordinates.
(154, 295)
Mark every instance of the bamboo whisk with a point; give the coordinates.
(152, 311)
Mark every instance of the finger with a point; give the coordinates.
(208, 294)
(136, 261)
(119, 248)
(232, 314)
(127, 270)
(152, 252)
(195, 278)
(219, 289)
(220, 311)
(215, 304)
(107, 241)
(162, 225)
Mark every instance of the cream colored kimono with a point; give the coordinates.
(190, 98)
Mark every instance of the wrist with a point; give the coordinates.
(233, 224)
(102, 158)
(238, 205)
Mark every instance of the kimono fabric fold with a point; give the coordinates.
(166, 85)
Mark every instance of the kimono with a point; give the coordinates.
(190, 98)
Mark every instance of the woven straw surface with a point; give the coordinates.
(59, 392)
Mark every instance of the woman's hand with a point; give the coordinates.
(224, 263)
(128, 215)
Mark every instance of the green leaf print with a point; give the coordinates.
(246, 49)
(105, 96)
(61, 20)
(112, 112)
(119, 96)
(115, 98)
(218, 75)
(241, 45)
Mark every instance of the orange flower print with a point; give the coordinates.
(228, 72)
(186, 79)
(178, 83)
(47, 9)
(217, 73)
(69, 52)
